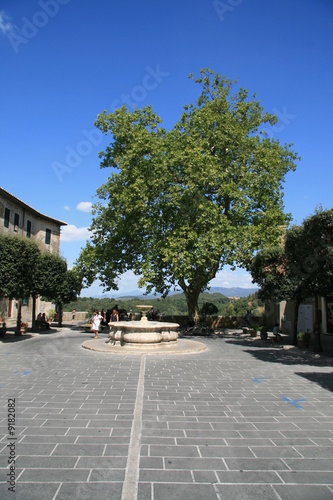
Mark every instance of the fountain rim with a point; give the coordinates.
(140, 325)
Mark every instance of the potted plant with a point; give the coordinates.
(303, 339)
(254, 329)
(263, 332)
(24, 327)
(50, 315)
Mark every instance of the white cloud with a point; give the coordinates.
(84, 206)
(5, 25)
(66, 207)
(73, 233)
(228, 278)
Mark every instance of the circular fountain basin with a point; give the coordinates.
(149, 333)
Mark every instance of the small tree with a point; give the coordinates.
(49, 276)
(56, 283)
(271, 271)
(301, 268)
(311, 259)
(18, 262)
(68, 291)
(209, 309)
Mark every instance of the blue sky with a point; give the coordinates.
(64, 61)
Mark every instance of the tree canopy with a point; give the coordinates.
(18, 263)
(180, 205)
(27, 270)
(302, 267)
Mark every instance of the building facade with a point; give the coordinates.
(283, 313)
(18, 218)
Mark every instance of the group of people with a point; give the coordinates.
(41, 319)
(99, 318)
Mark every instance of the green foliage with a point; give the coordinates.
(209, 309)
(26, 270)
(180, 205)
(50, 315)
(310, 250)
(302, 267)
(49, 275)
(269, 270)
(18, 262)
(263, 329)
(171, 305)
(304, 336)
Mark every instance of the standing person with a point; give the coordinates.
(277, 336)
(73, 314)
(248, 318)
(96, 322)
(115, 315)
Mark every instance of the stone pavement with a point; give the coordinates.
(239, 420)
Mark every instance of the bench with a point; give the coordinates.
(249, 330)
(41, 325)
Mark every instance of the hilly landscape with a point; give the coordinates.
(236, 304)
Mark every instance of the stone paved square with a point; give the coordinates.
(239, 420)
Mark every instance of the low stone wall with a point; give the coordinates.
(79, 316)
(212, 321)
(182, 320)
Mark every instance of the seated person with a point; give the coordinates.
(44, 322)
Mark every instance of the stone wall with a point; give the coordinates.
(79, 316)
(212, 321)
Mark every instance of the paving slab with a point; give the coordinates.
(236, 419)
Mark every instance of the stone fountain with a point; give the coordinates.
(131, 334)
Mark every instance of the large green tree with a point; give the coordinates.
(180, 205)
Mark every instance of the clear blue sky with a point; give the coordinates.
(64, 61)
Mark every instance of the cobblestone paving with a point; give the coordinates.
(237, 421)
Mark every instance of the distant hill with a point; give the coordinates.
(136, 294)
(233, 292)
(175, 303)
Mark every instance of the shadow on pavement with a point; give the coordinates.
(325, 380)
(11, 337)
(292, 356)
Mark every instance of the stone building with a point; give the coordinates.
(18, 218)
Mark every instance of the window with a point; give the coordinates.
(6, 218)
(16, 222)
(28, 228)
(48, 236)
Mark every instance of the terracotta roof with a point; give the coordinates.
(23, 204)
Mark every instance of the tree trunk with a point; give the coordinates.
(297, 303)
(60, 308)
(192, 306)
(33, 326)
(18, 324)
(317, 347)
